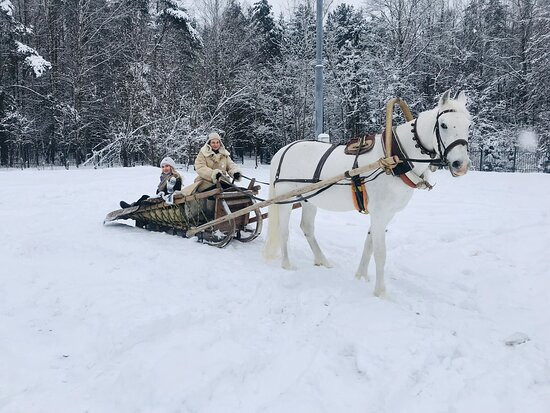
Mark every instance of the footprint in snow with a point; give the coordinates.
(516, 339)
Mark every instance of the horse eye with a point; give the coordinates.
(444, 125)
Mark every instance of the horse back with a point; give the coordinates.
(313, 160)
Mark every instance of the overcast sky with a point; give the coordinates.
(279, 6)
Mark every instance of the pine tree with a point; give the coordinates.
(18, 61)
(268, 32)
(347, 83)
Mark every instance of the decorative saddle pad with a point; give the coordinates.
(365, 143)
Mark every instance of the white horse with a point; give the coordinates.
(441, 132)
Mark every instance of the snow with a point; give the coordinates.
(178, 14)
(114, 318)
(7, 7)
(177, 11)
(23, 48)
(527, 140)
(194, 33)
(38, 64)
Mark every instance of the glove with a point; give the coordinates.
(216, 175)
(237, 176)
(171, 184)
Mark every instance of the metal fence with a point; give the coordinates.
(514, 160)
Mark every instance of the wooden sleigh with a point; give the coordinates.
(191, 210)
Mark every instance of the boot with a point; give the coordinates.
(140, 200)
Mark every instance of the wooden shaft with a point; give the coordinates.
(381, 163)
(265, 216)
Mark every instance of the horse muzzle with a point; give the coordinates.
(459, 168)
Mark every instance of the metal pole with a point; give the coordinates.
(319, 72)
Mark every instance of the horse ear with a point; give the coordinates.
(462, 98)
(445, 97)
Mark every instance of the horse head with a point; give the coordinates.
(451, 132)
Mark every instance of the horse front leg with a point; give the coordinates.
(308, 227)
(363, 270)
(378, 232)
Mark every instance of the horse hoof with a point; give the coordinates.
(324, 263)
(359, 276)
(380, 292)
(288, 266)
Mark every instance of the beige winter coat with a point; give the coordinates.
(208, 164)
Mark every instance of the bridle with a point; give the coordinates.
(442, 150)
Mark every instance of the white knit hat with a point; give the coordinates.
(214, 135)
(168, 161)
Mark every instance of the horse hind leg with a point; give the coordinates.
(308, 227)
(284, 219)
(363, 270)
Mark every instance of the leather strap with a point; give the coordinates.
(396, 149)
(283, 157)
(407, 181)
(453, 144)
(359, 195)
(322, 161)
(318, 170)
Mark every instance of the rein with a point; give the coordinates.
(296, 199)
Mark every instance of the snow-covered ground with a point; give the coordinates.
(113, 318)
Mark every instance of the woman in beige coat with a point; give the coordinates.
(214, 163)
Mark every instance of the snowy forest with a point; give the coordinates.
(120, 82)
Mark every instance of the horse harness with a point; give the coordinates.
(404, 170)
(317, 172)
(357, 183)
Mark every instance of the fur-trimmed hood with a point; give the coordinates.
(207, 149)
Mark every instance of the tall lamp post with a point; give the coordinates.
(319, 76)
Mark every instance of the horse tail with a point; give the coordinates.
(273, 242)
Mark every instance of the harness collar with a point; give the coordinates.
(419, 145)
